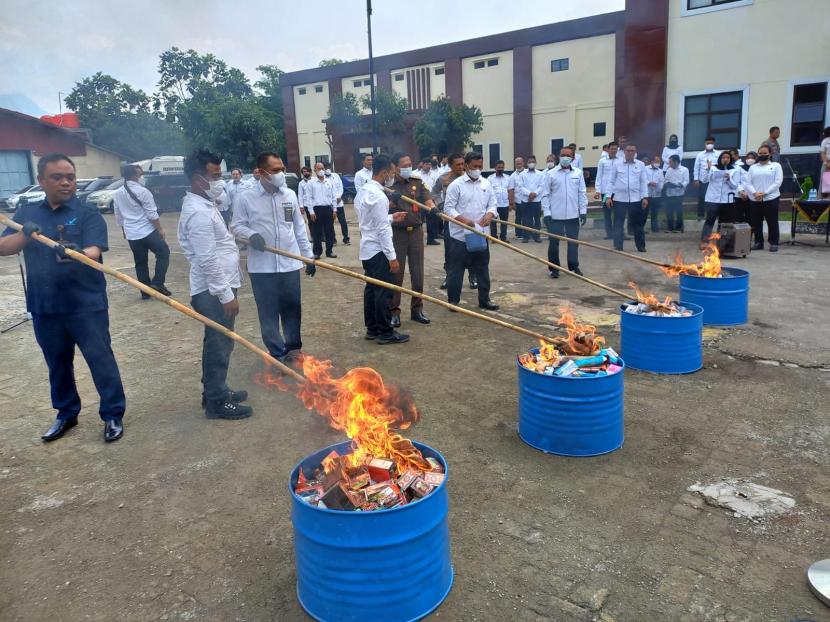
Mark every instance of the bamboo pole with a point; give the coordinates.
(564, 238)
(404, 290)
(82, 258)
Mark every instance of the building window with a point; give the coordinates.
(321, 158)
(398, 77)
(307, 161)
(318, 89)
(367, 82)
(556, 145)
(809, 105)
(439, 71)
(718, 115)
(479, 64)
(492, 62)
(695, 7)
(494, 153)
(301, 90)
(479, 149)
(560, 64)
(692, 5)
(599, 129)
(357, 83)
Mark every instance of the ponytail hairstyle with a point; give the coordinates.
(129, 172)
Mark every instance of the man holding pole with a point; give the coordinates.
(565, 206)
(269, 214)
(67, 300)
(214, 278)
(377, 251)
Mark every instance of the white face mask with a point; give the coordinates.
(389, 181)
(710, 146)
(750, 161)
(531, 165)
(406, 172)
(551, 164)
(327, 173)
(320, 173)
(564, 161)
(215, 188)
(277, 180)
(142, 181)
(474, 173)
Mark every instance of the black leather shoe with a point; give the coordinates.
(396, 321)
(554, 274)
(161, 289)
(473, 284)
(113, 430)
(444, 284)
(433, 243)
(490, 306)
(225, 409)
(145, 296)
(331, 255)
(641, 250)
(234, 396)
(758, 246)
(420, 318)
(577, 271)
(395, 337)
(370, 336)
(59, 428)
(347, 242)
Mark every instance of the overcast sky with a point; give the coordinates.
(47, 46)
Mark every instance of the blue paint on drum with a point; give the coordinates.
(366, 566)
(571, 416)
(725, 300)
(663, 345)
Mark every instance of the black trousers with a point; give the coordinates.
(216, 348)
(765, 211)
(344, 226)
(722, 212)
(377, 314)
(606, 218)
(278, 301)
(154, 244)
(636, 219)
(433, 226)
(57, 335)
(655, 204)
(478, 265)
(521, 219)
(674, 213)
(701, 200)
(500, 231)
(743, 210)
(447, 252)
(569, 228)
(533, 217)
(322, 227)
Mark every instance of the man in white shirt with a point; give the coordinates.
(655, 175)
(136, 213)
(235, 187)
(337, 186)
(305, 177)
(707, 155)
(577, 161)
(214, 279)
(364, 174)
(269, 214)
(601, 191)
(675, 183)
(528, 190)
(471, 201)
(565, 208)
(516, 203)
(319, 203)
(500, 183)
(428, 177)
(628, 186)
(377, 251)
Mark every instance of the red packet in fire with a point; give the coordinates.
(405, 480)
(356, 477)
(420, 488)
(435, 464)
(390, 497)
(381, 469)
(434, 479)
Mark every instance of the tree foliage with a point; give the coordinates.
(445, 127)
(390, 110)
(330, 62)
(344, 113)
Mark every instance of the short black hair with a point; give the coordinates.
(674, 157)
(234, 170)
(366, 155)
(381, 163)
(453, 157)
(773, 128)
(568, 147)
(613, 143)
(531, 157)
(128, 171)
(48, 159)
(709, 139)
(472, 156)
(498, 162)
(262, 159)
(197, 162)
(572, 145)
(397, 157)
(305, 168)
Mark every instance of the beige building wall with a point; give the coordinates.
(491, 89)
(310, 109)
(795, 49)
(566, 104)
(349, 85)
(96, 163)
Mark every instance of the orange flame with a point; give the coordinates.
(582, 338)
(664, 306)
(710, 266)
(362, 406)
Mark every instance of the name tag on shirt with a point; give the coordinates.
(288, 211)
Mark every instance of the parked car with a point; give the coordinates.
(33, 195)
(102, 199)
(292, 181)
(11, 201)
(168, 190)
(99, 183)
(349, 191)
(81, 184)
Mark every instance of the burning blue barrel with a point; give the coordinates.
(391, 564)
(571, 416)
(725, 300)
(662, 344)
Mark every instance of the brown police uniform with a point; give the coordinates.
(408, 239)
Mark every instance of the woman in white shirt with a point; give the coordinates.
(743, 211)
(762, 186)
(723, 180)
(673, 148)
(825, 160)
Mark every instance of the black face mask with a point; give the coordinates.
(763, 158)
(306, 176)
(673, 143)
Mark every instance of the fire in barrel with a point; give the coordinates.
(571, 393)
(371, 536)
(661, 336)
(722, 292)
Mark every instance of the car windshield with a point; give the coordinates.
(115, 185)
(35, 189)
(97, 184)
(82, 184)
(24, 189)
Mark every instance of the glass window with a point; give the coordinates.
(479, 64)
(307, 160)
(318, 89)
(809, 109)
(718, 115)
(599, 129)
(367, 82)
(357, 83)
(560, 64)
(702, 4)
(556, 145)
(439, 71)
(478, 149)
(495, 154)
(398, 77)
(301, 91)
(492, 62)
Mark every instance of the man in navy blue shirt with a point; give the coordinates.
(68, 300)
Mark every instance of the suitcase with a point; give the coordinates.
(735, 239)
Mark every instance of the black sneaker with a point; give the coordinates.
(347, 242)
(161, 289)
(773, 248)
(554, 274)
(577, 271)
(370, 336)
(395, 337)
(225, 409)
(473, 284)
(233, 396)
(444, 284)
(758, 246)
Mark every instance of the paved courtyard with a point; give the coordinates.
(188, 519)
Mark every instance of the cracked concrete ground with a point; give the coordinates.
(187, 519)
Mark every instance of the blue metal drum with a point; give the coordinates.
(366, 566)
(571, 416)
(663, 345)
(725, 300)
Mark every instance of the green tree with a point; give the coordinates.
(390, 110)
(329, 62)
(344, 113)
(445, 127)
(269, 94)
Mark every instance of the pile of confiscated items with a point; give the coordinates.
(652, 306)
(551, 362)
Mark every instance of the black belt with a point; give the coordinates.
(316, 206)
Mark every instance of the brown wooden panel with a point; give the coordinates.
(522, 101)
(452, 79)
(292, 142)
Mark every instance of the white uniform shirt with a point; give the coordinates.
(512, 182)
(210, 248)
(669, 152)
(470, 199)
(604, 173)
(361, 177)
(723, 184)
(627, 181)
(527, 182)
(577, 163)
(375, 223)
(277, 218)
(702, 158)
(500, 187)
(337, 188)
(564, 195)
(301, 196)
(318, 192)
(766, 178)
(679, 175)
(234, 189)
(135, 217)
(654, 175)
